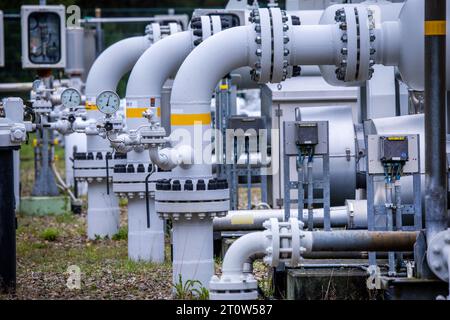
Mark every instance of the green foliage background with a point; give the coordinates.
(12, 72)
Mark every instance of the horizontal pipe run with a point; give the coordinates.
(16, 87)
(361, 240)
(254, 219)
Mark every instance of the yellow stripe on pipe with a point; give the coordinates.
(435, 28)
(242, 219)
(158, 112)
(190, 119)
(135, 112)
(91, 106)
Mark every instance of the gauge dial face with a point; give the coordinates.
(70, 98)
(108, 102)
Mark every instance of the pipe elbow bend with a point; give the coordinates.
(170, 158)
(242, 250)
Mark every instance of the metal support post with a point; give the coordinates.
(436, 216)
(7, 222)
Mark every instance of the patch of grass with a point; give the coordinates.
(49, 234)
(65, 218)
(123, 202)
(122, 234)
(190, 290)
(39, 245)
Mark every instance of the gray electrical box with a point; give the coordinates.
(245, 123)
(2, 41)
(393, 148)
(43, 37)
(306, 133)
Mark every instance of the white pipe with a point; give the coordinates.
(102, 217)
(193, 250)
(195, 81)
(105, 74)
(156, 65)
(144, 244)
(113, 63)
(254, 219)
(315, 45)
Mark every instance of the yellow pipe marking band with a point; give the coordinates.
(135, 112)
(158, 112)
(242, 219)
(435, 28)
(91, 106)
(223, 87)
(190, 119)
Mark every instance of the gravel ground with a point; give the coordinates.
(106, 273)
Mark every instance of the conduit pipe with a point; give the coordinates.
(105, 74)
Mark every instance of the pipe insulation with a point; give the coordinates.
(105, 74)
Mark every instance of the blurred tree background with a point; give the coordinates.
(13, 72)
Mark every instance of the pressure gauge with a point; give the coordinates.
(108, 102)
(70, 98)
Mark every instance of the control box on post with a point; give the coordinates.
(246, 156)
(307, 141)
(391, 161)
(303, 134)
(402, 149)
(43, 37)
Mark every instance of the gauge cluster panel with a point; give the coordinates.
(43, 37)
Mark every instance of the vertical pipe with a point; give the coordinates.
(193, 250)
(99, 32)
(436, 217)
(310, 195)
(7, 222)
(103, 215)
(144, 243)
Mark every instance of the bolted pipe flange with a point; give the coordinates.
(205, 26)
(272, 27)
(233, 287)
(181, 199)
(438, 254)
(287, 242)
(356, 24)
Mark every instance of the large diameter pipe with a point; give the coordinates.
(156, 65)
(359, 240)
(144, 243)
(195, 81)
(7, 222)
(193, 250)
(436, 216)
(105, 74)
(103, 212)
